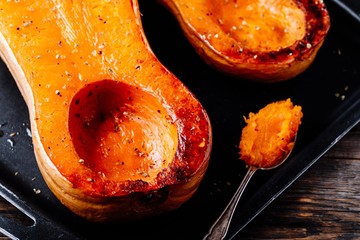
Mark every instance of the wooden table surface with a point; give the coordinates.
(324, 203)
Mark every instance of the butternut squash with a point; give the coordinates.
(117, 137)
(259, 40)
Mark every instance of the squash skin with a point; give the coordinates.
(203, 25)
(55, 50)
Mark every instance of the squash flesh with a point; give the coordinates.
(260, 25)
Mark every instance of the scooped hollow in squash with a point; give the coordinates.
(265, 41)
(117, 137)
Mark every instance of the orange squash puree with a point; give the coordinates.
(270, 134)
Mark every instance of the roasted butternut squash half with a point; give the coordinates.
(265, 41)
(117, 137)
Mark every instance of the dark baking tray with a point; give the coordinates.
(329, 92)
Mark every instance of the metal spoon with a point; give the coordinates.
(219, 229)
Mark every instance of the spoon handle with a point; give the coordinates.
(219, 229)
